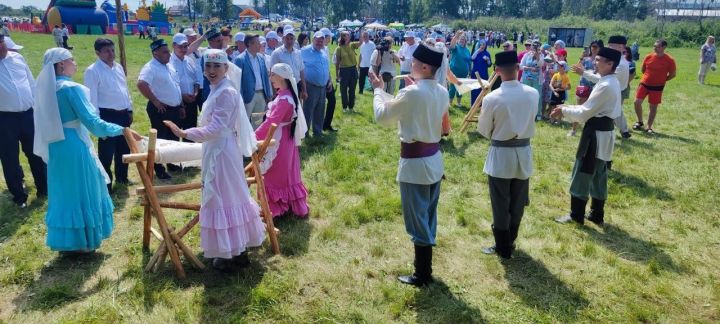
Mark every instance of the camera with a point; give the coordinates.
(384, 46)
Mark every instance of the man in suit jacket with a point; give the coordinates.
(255, 89)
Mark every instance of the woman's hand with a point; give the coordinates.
(175, 129)
(133, 134)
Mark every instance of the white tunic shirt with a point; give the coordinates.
(604, 101)
(622, 72)
(509, 113)
(418, 111)
(108, 86)
(186, 73)
(16, 84)
(163, 82)
(366, 50)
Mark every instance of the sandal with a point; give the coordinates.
(638, 125)
(650, 131)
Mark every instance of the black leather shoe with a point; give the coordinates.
(163, 176)
(330, 129)
(242, 260)
(174, 168)
(415, 280)
(223, 265)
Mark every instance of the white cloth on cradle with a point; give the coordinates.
(167, 151)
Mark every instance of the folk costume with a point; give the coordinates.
(589, 175)
(229, 217)
(281, 165)
(417, 110)
(80, 211)
(508, 120)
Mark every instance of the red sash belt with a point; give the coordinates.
(418, 150)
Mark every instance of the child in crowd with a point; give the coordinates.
(559, 84)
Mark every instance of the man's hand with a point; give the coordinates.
(175, 129)
(375, 81)
(188, 97)
(159, 106)
(577, 69)
(409, 80)
(557, 113)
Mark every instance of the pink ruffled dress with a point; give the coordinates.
(229, 217)
(283, 181)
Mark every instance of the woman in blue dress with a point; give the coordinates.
(481, 61)
(80, 211)
(459, 62)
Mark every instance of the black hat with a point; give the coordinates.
(610, 54)
(428, 56)
(212, 33)
(157, 44)
(617, 39)
(506, 58)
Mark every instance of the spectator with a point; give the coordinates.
(531, 65)
(318, 80)
(58, 36)
(481, 62)
(346, 70)
(459, 62)
(658, 68)
(255, 85)
(366, 49)
(289, 55)
(707, 58)
(405, 54)
(65, 37)
(384, 60)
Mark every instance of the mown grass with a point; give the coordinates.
(655, 261)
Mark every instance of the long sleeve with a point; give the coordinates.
(91, 82)
(221, 116)
(30, 77)
(485, 120)
(281, 113)
(591, 107)
(591, 76)
(85, 111)
(388, 110)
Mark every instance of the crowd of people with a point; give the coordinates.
(227, 95)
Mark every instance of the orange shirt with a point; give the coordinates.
(657, 69)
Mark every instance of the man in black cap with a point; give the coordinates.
(418, 110)
(622, 73)
(158, 83)
(589, 176)
(508, 120)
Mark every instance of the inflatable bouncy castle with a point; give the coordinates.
(81, 16)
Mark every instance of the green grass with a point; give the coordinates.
(657, 259)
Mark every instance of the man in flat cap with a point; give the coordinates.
(418, 110)
(158, 82)
(508, 120)
(589, 176)
(622, 73)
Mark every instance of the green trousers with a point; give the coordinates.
(594, 185)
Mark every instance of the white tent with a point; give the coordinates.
(287, 22)
(357, 23)
(376, 26)
(441, 27)
(345, 23)
(260, 21)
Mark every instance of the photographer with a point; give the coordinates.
(383, 60)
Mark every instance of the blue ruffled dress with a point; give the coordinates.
(80, 211)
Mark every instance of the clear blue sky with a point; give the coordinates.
(133, 4)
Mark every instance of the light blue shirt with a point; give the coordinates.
(317, 66)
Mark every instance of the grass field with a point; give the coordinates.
(656, 260)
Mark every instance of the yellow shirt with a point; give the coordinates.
(346, 54)
(560, 81)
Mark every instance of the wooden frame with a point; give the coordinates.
(171, 241)
(472, 115)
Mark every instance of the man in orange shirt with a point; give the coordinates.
(657, 68)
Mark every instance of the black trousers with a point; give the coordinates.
(508, 198)
(17, 128)
(65, 44)
(361, 81)
(191, 115)
(156, 121)
(112, 148)
(348, 82)
(330, 108)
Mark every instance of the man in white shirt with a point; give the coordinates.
(109, 94)
(272, 40)
(159, 84)
(188, 77)
(330, 93)
(589, 177)
(622, 73)
(366, 49)
(508, 120)
(418, 110)
(65, 37)
(16, 124)
(239, 39)
(289, 55)
(405, 54)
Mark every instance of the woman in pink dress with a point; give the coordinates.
(229, 217)
(281, 164)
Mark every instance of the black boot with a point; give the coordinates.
(577, 211)
(597, 212)
(423, 268)
(503, 245)
(514, 228)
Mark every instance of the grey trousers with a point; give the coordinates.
(419, 205)
(594, 185)
(314, 108)
(508, 198)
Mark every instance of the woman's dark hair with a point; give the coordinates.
(301, 38)
(280, 30)
(597, 42)
(628, 54)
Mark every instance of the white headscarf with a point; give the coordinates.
(48, 126)
(285, 71)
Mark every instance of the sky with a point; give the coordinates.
(133, 4)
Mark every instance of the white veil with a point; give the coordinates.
(48, 127)
(285, 71)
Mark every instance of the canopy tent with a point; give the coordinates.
(397, 25)
(249, 12)
(260, 21)
(345, 23)
(356, 23)
(287, 22)
(415, 26)
(376, 26)
(441, 27)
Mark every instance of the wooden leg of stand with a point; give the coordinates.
(265, 208)
(162, 251)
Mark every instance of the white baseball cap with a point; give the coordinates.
(262, 40)
(273, 35)
(189, 32)
(319, 34)
(239, 37)
(326, 32)
(409, 35)
(180, 39)
(11, 45)
(288, 30)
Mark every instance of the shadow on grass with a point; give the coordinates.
(639, 186)
(448, 146)
(437, 304)
(632, 248)
(12, 216)
(294, 235)
(540, 289)
(318, 145)
(60, 282)
(681, 139)
(633, 143)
